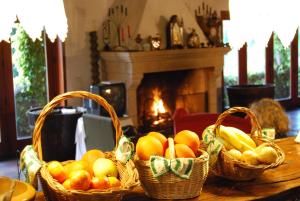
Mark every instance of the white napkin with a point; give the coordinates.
(80, 139)
(68, 111)
(297, 139)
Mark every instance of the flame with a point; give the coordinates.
(158, 104)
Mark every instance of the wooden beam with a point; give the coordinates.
(243, 65)
(270, 61)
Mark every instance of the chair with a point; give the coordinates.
(197, 122)
(99, 132)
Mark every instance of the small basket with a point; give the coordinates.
(53, 190)
(170, 186)
(230, 168)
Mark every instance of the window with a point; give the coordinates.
(282, 67)
(256, 61)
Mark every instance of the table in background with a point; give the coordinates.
(275, 184)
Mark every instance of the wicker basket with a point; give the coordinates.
(170, 186)
(230, 168)
(53, 190)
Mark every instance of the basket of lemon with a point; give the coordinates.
(236, 155)
(171, 168)
(97, 176)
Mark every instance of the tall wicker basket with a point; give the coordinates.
(53, 190)
(170, 186)
(230, 168)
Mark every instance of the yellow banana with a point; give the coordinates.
(227, 145)
(243, 136)
(233, 139)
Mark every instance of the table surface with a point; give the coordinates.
(274, 184)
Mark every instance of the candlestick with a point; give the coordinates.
(128, 29)
(125, 11)
(122, 32)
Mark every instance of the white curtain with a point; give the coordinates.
(34, 16)
(257, 19)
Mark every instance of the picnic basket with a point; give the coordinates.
(53, 190)
(228, 167)
(169, 185)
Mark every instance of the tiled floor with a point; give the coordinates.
(10, 168)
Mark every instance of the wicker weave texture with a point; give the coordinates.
(53, 190)
(170, 186)
(233, 169)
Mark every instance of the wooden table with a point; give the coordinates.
(281, 183)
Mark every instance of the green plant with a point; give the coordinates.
(256, 78)
(29, 72)
(282, 64)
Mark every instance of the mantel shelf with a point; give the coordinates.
(135, 56)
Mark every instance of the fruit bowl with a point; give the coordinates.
(21, 191)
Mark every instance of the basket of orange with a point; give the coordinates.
(97, 176)
(239, 156)
(171, 168)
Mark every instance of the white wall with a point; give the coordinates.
(88, 15)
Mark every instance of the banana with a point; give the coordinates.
(232, 138)
(227, 145)
(243, 136)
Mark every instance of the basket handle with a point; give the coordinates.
(255, 126)
(36, 138)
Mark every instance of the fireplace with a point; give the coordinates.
(189, 78)
(160, 94)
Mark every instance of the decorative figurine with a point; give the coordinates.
(193, 40)
(155, 42)
(175, 33)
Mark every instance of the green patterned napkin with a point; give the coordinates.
(30, 164)
(125, 150)
(182, 167)
(214, 146)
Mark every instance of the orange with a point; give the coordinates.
(99, 183)
(80, 180)
(189, 138)
(147, 146)
(114, 182)
(77, 165)
(91, 155)
(67, 184)
(161, 138)
(183, 151)
(57, 171)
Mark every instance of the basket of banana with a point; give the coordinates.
(236, 155)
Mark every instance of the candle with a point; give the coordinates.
(112, 11)
(125, 11)
(198, 10)
(128, 29)
(121, 8)
(109, 12)
(195, 12)
(122, 33)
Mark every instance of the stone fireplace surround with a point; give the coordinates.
(130, 67)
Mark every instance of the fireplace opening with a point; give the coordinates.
(160, 94)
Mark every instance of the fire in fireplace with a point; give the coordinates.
(160, 94)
